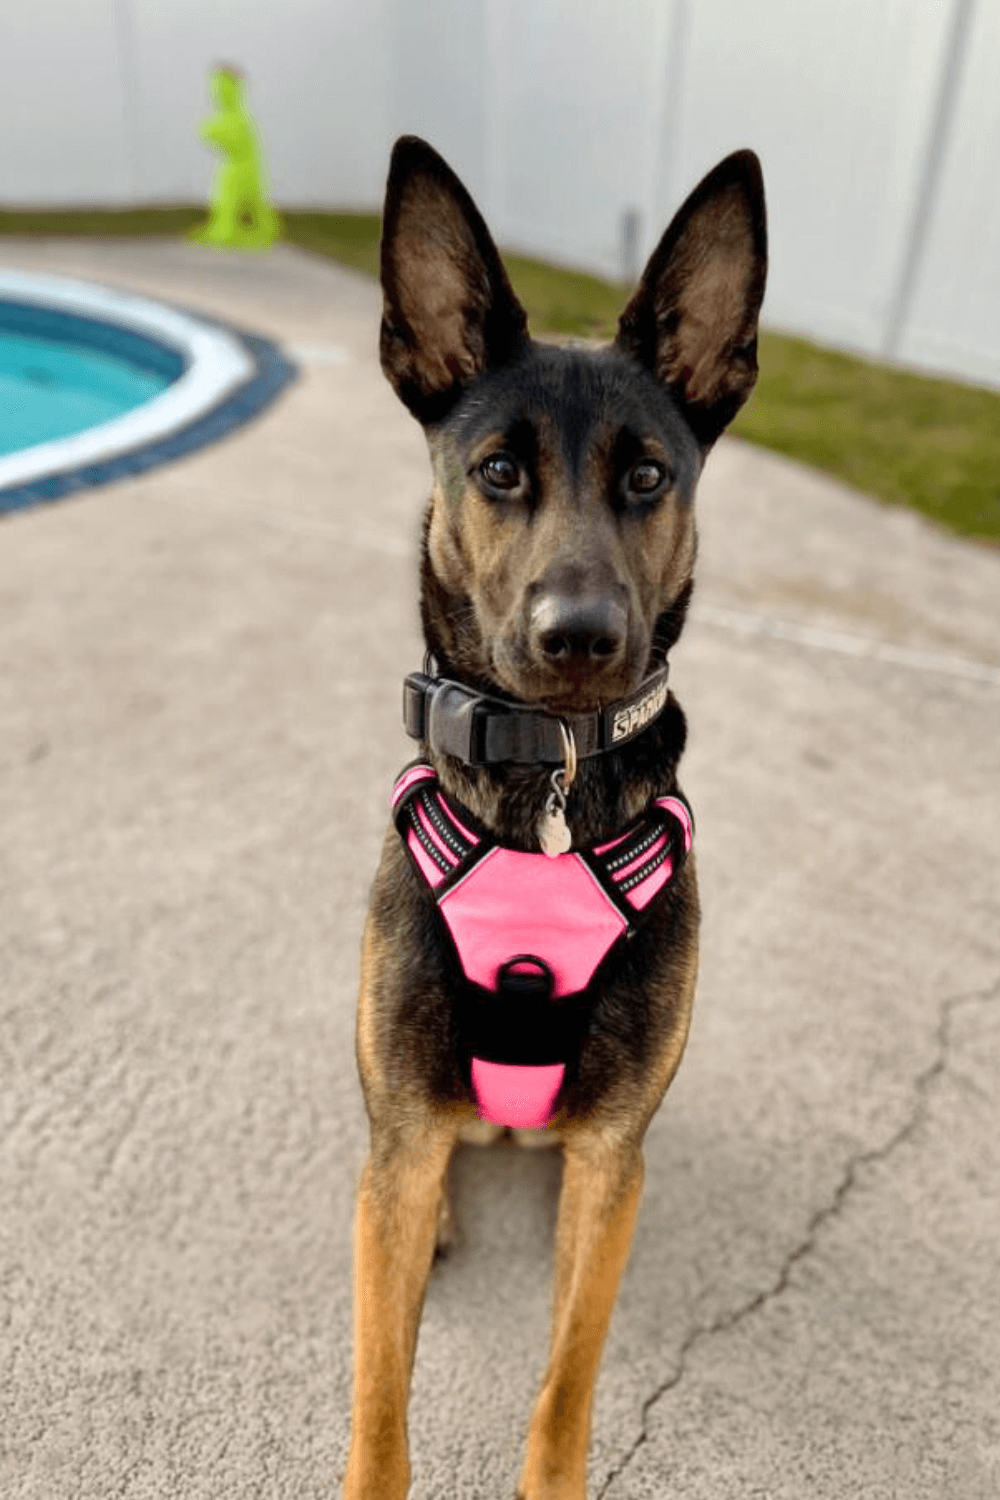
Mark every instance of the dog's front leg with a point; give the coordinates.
(598, 1208)
(394, 1235)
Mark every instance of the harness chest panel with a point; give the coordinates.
(514, 903)
(530, 931)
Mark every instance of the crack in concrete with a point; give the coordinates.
(923, 1083)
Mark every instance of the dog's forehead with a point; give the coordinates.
(576, 397)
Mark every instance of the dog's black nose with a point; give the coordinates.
(564, 630)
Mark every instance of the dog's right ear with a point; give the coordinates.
(449, 311)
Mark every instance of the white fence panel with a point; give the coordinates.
(437, 83)
(955, 317)
(62, 129)
(835, 97)
(316, 86)
(570, 120)
(576, 120)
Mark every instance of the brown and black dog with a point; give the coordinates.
(556, 572)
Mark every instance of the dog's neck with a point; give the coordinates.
(610, 789)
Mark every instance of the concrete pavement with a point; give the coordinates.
(199, 726)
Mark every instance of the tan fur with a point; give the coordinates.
(404, 1216)
(475, 549)
(404, 1213)
(497, 559)
(598, 1209)
(395, 1229)
(366, 1041)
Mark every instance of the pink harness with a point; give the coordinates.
(530, 930)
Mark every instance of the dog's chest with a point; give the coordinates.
(530, 934)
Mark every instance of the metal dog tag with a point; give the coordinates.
(552, 828)
(553, 831)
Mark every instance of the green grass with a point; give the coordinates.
(560, 301)
(103, 223)
(351, 239)
(909, 440)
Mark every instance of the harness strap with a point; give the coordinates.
(439, 843)
(530, 933)
(631, 868)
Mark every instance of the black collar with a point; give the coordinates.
(483, 731)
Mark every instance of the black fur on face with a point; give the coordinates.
(575, 427)
(560, 539)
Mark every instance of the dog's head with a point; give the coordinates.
(560, 537)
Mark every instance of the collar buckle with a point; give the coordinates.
(483, 731)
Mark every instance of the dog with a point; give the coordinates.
(530, 953)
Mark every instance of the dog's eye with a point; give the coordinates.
(646, 476)
(501, 472)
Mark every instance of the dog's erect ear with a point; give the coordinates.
(449, 312)
(693, 318)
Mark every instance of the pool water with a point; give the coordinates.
(61, 374)
(50, 391)
(98, 385)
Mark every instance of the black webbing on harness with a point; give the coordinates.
(520, 1019)
(644, 835)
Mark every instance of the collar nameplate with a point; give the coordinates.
(630, 719)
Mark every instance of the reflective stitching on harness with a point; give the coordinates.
(634, 848)
(432, 807)
(459, 854)
(497, 903)
(652, 864)
(441, 860)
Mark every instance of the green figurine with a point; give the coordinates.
(240, 216)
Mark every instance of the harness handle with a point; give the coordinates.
(537, 984)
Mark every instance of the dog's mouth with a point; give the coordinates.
(570, 645)
(576, 689)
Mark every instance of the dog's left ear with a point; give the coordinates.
(449, 312)
(693, 318)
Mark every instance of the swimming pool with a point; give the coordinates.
(96, 384)
(58, 376)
